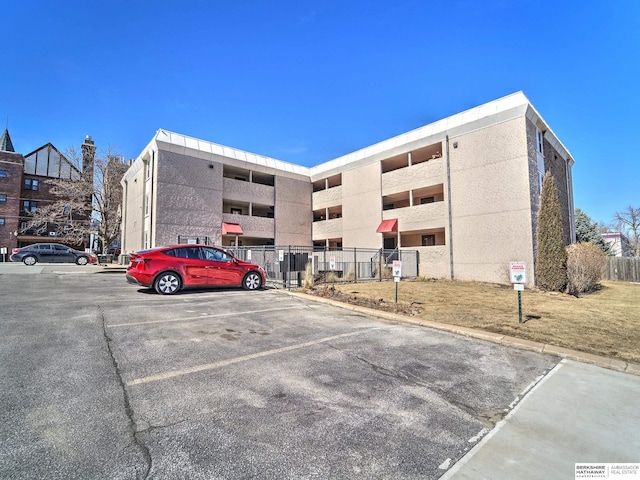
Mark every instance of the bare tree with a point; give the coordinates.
(629, 224)
(89, 205)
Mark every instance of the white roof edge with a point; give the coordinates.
(494, 107)
(438, 127)
(555, 140)
(138, 162)
(181, 140)
(441, 126)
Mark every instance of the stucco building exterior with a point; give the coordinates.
(464, 191)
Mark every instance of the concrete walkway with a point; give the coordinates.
(577, 414)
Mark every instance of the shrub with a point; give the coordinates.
(551, 260)
(585, 262)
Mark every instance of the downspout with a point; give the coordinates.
(449, 209)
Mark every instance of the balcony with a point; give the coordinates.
(234, 189)
(326, 229)
(419, 217)
(414, 176)
(327, 198)
(252, 226)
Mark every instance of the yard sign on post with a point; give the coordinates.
(397, 273)
(518, 274)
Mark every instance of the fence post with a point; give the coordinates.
(355, 265)
(289, 267)
(380, 263)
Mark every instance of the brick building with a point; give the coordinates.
(24, 187)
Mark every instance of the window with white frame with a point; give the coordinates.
(1, 221)
(539, 141)
(3, 197)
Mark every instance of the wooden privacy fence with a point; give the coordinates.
(624, 269)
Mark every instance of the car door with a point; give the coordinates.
(193, 267)
(62, 254)
(45, 253)
(222, 269)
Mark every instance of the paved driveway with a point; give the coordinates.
(101, 379)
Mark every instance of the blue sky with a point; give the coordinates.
(308, 81)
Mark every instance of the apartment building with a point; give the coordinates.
(464, 191)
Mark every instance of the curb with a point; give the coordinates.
(507, 341)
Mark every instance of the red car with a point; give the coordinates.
(170, 269)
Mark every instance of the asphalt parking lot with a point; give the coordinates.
(102, 379)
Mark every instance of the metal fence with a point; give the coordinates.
(190, 239)
(624, 269)
(286, 265)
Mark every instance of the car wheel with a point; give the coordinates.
(82, 260)
(29, 260)
(167, 283)
(252, 281)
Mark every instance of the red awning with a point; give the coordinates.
(231, 229)
(388, 226)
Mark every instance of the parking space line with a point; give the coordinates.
(201, 317)
(231, 361)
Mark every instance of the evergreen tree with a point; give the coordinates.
(587, 231)
(551, 261)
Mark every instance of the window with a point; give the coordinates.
(3, 197)
(427, 200)
(147, 169)
(236, 211)
(428, 240)
(30, 184)
(192, 253)
(540, 141)
(388, 206)
(540, 179)
(216, 255)
(3, 174)
(29, 205)
(1, 221)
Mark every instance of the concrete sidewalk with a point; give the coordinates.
(577, 414)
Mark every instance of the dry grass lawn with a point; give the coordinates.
(606, 322)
